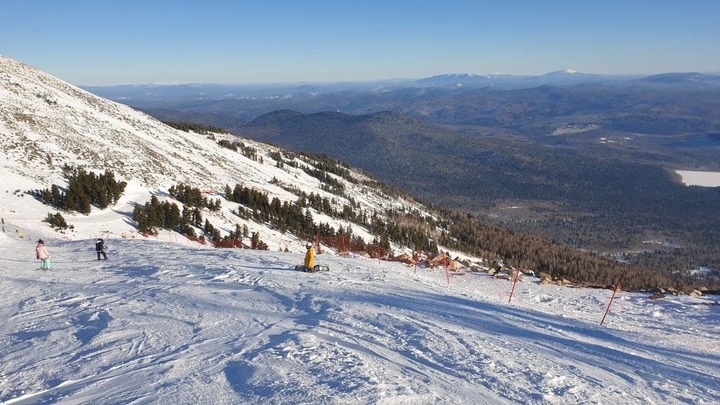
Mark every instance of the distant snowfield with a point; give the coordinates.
(704, 179)
(166, 323)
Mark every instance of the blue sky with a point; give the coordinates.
(277, 41)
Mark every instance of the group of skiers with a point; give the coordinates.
(41, 252)
(44, 256)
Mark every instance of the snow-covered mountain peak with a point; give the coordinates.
(563, 72)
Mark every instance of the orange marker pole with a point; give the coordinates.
(617, 287)
(517, 276)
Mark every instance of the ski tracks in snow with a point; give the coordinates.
(165, 323)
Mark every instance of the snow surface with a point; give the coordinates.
(161, 322)
(696, 178)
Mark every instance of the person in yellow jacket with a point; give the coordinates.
(310, 256)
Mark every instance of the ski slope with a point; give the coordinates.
(163, 322)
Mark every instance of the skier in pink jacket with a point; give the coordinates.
(43, 255)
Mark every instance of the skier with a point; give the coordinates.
(309, 257)
(42, 254)
(100, 248)
(309, 265)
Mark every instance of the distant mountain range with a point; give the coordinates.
(679, 104)
(683, 78)
(565, 77)
(148, 93)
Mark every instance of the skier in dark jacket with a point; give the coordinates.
(100, 248)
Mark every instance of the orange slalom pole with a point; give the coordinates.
(617, 287)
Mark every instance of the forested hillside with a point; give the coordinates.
(586, 201)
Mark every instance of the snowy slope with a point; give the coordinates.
(165, 323)
(46, 123)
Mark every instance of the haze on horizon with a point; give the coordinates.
(282, 41)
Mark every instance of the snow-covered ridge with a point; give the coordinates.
(46, 123)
